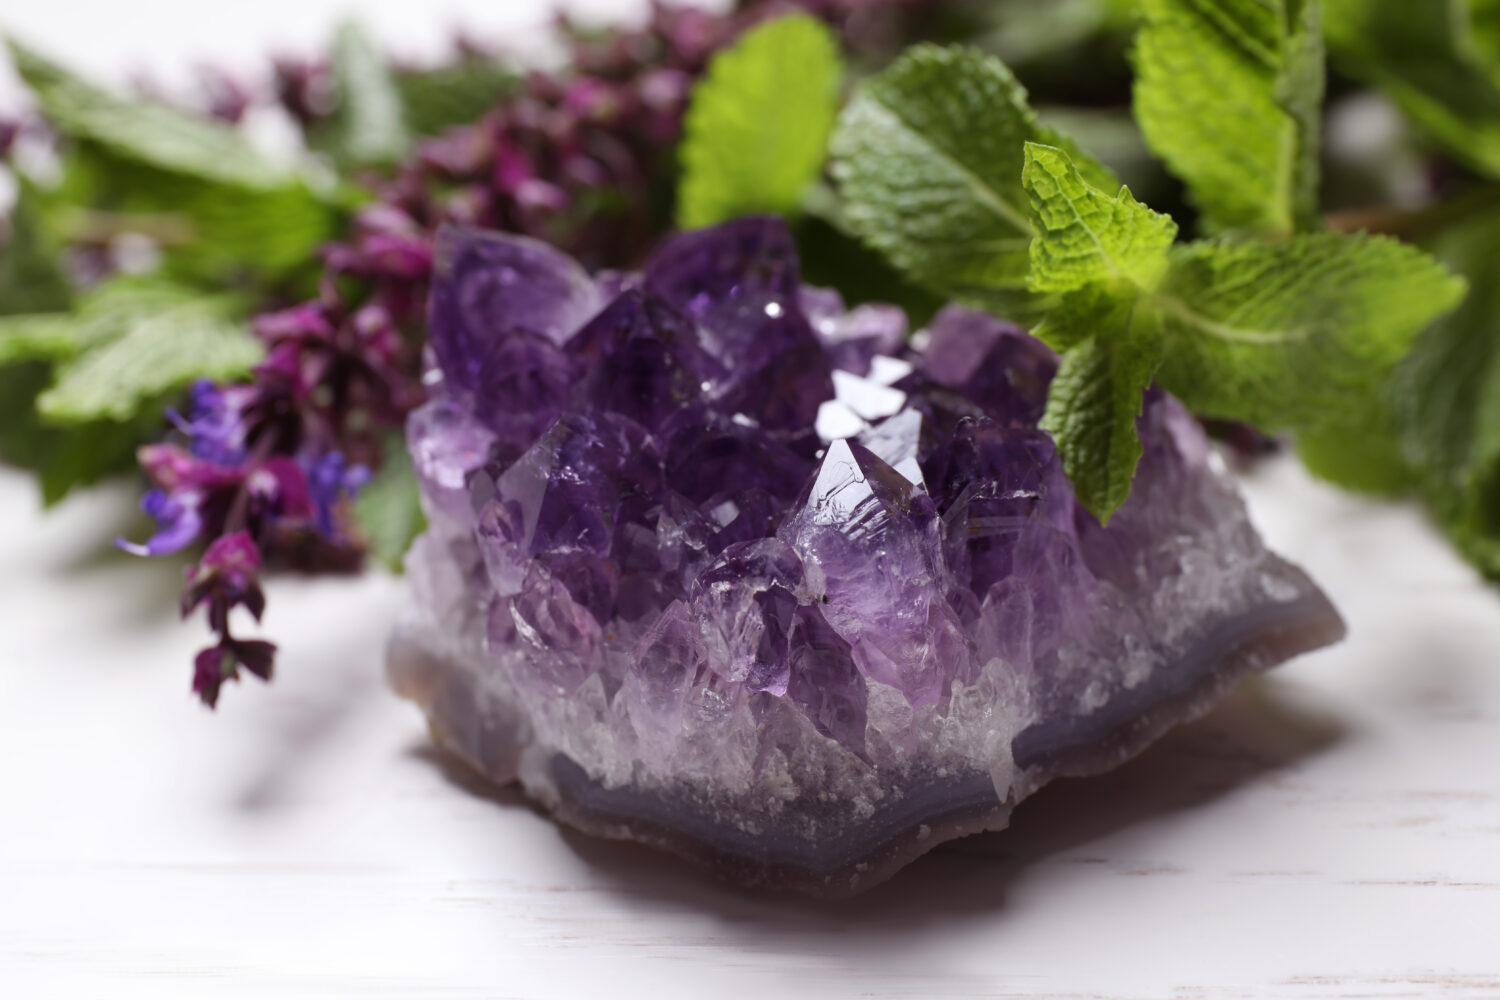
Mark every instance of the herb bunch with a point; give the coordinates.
(1321, 299)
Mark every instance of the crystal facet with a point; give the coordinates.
(654, 595)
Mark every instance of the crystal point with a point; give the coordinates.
(487, 284)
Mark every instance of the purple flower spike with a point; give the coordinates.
(329, 479)
(229, 572)
(227, 577)
(178, 522)
(307, 321)
(216, 431)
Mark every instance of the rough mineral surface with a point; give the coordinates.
(717, 564)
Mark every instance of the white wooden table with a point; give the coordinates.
(1333, 830)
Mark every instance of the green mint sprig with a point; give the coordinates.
(1300, 332)
(1281, 334)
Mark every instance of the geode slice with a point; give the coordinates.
(718, 565)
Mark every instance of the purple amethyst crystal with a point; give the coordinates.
(720, 565)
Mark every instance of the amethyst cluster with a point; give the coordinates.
(720, 565)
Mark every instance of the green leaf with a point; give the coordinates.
(141, 130)
(369, 127)
(266, 234)
(1085, 236)
(756, 133)
(928, 158)
(1293, 334)
(217, 209)
(1044, 33)
(1484, 22)
(1103, 251)
(31, 275)
(138, 341)
(1437, 60)
(64, 458)
(389, 509)
(92, 384)
(1446, 396)
(1361, 453)
(1075, 317)
(208, 232)
(99, 319)
(434, 100)
(1228, 93)
(1091, 411)
(37, 337)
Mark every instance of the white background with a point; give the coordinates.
(1333, 830)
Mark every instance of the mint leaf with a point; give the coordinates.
(928, 158)
(1228, 93)
(1047, 32)
(1086, 236)
(136, 341)
(756, 134)
(218, 210)
(1105, 252)
(145, 131)
(1361, 452)
(36, 337)
(434, 100)
(369, 127)
(270, 234)
(1091, 411)
(1484, 23)
(31, 275)
(389, 509)
(1438, 61)
(1446, 397)
(157, 355)
(208, 232)
(99, 319)
(1290, 334)
(64, 458)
